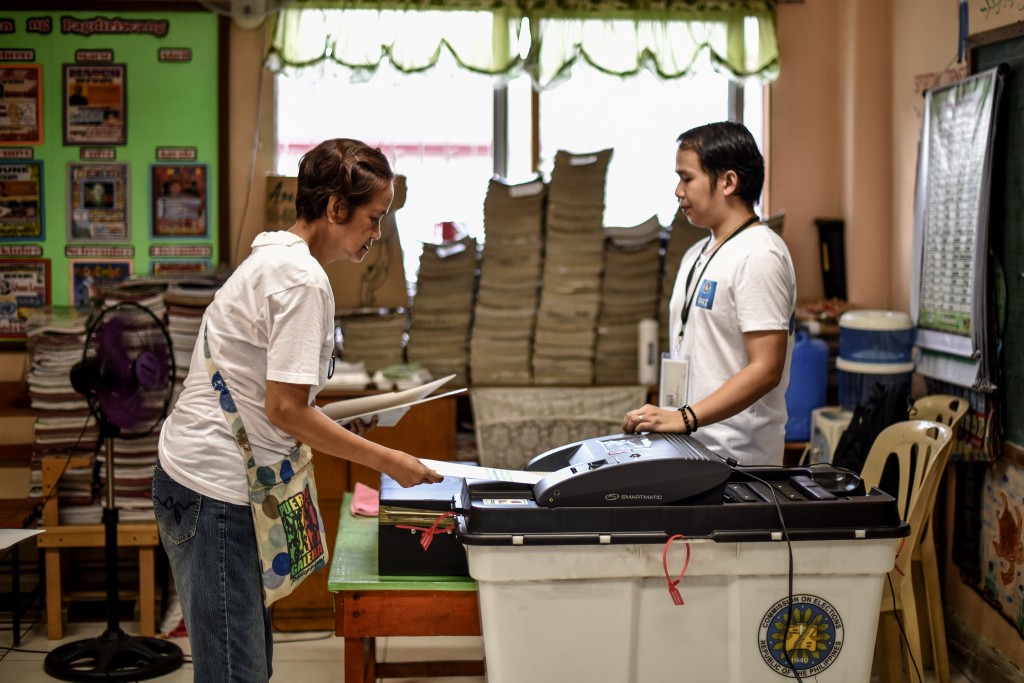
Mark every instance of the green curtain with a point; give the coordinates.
(486, 36)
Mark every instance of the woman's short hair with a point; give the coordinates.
(728, 146)
(349, 170)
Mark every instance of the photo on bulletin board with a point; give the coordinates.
(87, 275)
(21, 104)
(173, 268)
(94, 104)
(24, 287)
(21, 200)
(179, 200)
(98, 202)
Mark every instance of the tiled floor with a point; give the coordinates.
(312, 656)
(315, 657)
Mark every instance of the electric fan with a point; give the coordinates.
(247, 14)
(127, 376)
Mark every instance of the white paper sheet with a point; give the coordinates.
(389, 417)
(448, 468)
(8, 537)
(363, 406)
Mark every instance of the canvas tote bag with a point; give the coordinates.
(289, 528)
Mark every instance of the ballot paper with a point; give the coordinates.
(448, 468)
(389, 407)
(9, 537)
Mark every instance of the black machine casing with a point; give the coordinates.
(575, 503)
(399, 552)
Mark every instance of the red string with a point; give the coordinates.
(677, 598)
(896, 564)
(428, 534)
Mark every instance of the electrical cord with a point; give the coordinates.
(903, 633)
(789, 548)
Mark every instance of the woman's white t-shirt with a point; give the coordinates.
(272, 320)
(749, 285)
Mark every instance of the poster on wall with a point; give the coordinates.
(21, 200)
(24, 287)
(87, 276)
(179, 200)
(95, 104)
(173, 268)
(98, 202)
(21, 104)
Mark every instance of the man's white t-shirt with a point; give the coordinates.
(272, 320)
(749, 285)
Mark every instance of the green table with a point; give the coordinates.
(368, 606)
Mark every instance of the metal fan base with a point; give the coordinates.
(113, 656)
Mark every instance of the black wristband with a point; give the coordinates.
(696, 424)
(686, 420)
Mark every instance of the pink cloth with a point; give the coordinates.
(365, 501)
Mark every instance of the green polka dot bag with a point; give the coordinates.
(289, 528)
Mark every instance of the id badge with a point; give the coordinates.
(673, 389)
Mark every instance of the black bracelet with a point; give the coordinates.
(696, 424)
(686, 420)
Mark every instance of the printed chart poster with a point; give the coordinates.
(179, 200)
(94, 104)
(87, 275)
(21, 200)
(98, 202)
(21, 108)
(24, 287)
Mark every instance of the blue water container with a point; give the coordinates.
(872, 336)
(808, 383)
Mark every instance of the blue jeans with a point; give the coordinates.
(215, 563)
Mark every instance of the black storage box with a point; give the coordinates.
(399, 549)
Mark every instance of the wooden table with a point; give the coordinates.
(368, 606)
(18, 514)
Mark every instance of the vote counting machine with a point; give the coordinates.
(627, 488)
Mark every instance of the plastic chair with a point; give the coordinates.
(948, 410)
(921, 448)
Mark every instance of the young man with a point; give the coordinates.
(732, 310)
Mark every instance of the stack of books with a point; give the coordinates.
(373, 336)
(510, 272)
(564, 343)
(64, 426)
(629, 293)
(442, 309)
(682, 236)
(186, 301)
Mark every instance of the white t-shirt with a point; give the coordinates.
(272, 320)
(749, 285)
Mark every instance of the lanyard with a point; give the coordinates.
(689, 278)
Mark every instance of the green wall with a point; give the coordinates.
(169, 104)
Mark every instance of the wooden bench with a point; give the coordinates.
(143, 535)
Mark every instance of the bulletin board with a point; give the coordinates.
(109, 148)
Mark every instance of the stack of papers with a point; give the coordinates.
(373, 337)
(186, 301)
(629, 293)
(443, 309)
(133, 477)
(64, 426)
(683, 235)
(564, 343)
(510, 271)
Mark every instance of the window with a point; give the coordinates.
(438, 129)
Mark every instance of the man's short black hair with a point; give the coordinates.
(728, 146)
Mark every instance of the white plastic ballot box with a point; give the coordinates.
(575, 572)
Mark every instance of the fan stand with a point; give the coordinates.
(115, 655)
